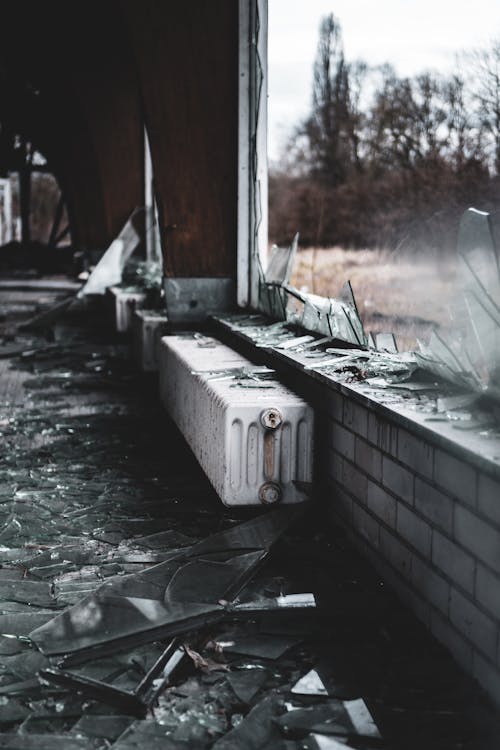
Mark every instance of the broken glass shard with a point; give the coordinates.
(310, 684)
(262, 646)
(246, 683)
(319, 682)
(108, 272)
(268, 604)
(279, 268)
(258, 729)
(96, 690)
(323, 742)
(168, 598)
(343, 718)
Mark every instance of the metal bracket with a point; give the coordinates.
(193, 299)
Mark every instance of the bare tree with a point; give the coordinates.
(465, 133)
(485, 64)
(329, 127)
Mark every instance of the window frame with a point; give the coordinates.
(252, 218)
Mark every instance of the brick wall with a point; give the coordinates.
(421, 502)
(428, 519)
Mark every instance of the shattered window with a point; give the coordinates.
(376, 154)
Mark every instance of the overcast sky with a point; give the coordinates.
(413, 35)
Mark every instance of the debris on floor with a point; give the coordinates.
(137, 612)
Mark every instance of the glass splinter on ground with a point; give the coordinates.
(284, 637)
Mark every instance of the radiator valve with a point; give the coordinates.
(269, 493)
(271, 419)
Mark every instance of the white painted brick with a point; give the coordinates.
(415, 453)
(476, 535)
(487, 590)
(488, 677)
(382, 433)
(368, 458)
(365, 525)
(412, 528)
(480, 629)
(397, 479)
(335, 404)
(340, 503)
(356, 417)
(354, 481)
(451, 639)
(335, 466)
(382, 504)
(434, 505)
(458, 478)
(488, 498)
(342, 440)
(432, 586)
(398, 555)
(453, 561)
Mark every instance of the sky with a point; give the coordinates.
(413, 35)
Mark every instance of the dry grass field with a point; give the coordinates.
(393, 294)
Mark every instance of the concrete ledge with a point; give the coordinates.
(420, 498)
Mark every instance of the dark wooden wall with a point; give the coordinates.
(87, 75)
(75, 62)
(187, 56)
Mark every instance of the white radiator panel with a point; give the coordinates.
(125, 302)
(148, 326)
(252, 442)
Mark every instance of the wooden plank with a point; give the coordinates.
(187, 58)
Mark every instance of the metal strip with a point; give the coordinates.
(252, 149)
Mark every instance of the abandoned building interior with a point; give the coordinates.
(230, 516)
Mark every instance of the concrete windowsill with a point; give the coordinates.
(476, 447)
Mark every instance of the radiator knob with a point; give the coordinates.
(271, 419)
(269, 493)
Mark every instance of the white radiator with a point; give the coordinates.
(252, 436)
(124, 303)
(148, 326)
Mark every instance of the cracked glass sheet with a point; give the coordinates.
(130, 683)
(332, 318)
(386, 342)
(446, 358)
(109, 270)
(272, 297)
(337, 318)
(469, 355)
(333, 717)
(261, 645)
(246, 683)
(167, 598)
(257, 730)
(320, 683)
(279, 268)
(329, 316)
